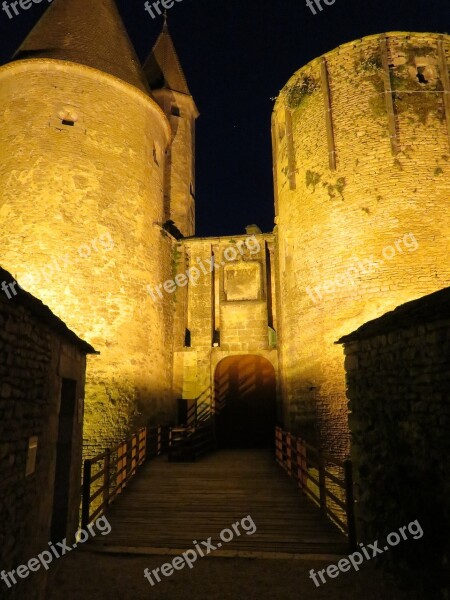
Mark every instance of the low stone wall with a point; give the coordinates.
(398, 385)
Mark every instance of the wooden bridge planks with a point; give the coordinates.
(169, 505)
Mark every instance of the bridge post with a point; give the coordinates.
(350, 504)
(301, 464)
(106, 478)
(289, 454)
(142, 448)
(322, 483)
(159, 444)
(278, 446)
(86, 500)
(121, 466)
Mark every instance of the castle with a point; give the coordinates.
(95, 147)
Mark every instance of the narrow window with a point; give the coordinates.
(216, 338)
(175, 111)
(67, 122)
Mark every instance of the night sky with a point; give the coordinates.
(237, 55)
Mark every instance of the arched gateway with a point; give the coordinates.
(245, 399)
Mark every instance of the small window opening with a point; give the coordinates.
(216, 338)
(420, 75)
(187, 338)
(175, 111)
(67, 122)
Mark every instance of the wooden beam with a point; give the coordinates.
(393, 134)
(443, 70)
(325, 84)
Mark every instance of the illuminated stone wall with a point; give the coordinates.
(372, 232)
(81, 180)
(179, 187)
(227, 312)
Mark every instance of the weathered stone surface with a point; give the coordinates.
(332, 223)
(36, 359)
(239, 308)
(83, 207)
(400, 426)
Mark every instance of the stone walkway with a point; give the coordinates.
(91, 576)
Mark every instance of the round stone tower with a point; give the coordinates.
(361, 142)
(82, 152)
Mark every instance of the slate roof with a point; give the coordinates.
(162, 68)
(88, 32)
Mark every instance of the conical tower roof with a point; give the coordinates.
(88, 32)
(162, 67)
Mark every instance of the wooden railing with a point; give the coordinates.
(200, 409)
(312, 470)
(188, 443)
(106, 475)
(197, 436)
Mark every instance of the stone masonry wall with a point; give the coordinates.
(358, 240)
(81, 215)
(32, 362)
(179, 183)
(227, 311)
(398, 386)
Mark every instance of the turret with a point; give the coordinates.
(169, 88)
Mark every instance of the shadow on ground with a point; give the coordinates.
(93, 576)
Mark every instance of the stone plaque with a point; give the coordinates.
(242, 281)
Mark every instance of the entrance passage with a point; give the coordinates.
(245, 397)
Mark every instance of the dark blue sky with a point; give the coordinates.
(237, 55)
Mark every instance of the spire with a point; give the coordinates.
(162, 67)
(88, 32)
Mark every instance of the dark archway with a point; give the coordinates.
(245, 400)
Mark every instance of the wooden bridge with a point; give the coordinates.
(168, 505)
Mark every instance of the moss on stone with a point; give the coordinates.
(175, 261)
(312, 179)
(370, 69)
(422, 99)
(303, 87)
(340, 186)
(369, 64)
